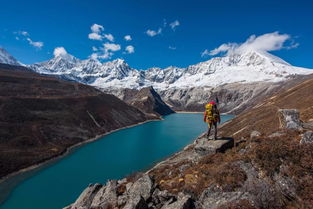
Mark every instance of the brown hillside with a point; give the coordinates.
(264, 118)
(40, 117)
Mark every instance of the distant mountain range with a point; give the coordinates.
(246, 67)
(182, 88)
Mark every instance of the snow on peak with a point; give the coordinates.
(7, 58)
(245, 67)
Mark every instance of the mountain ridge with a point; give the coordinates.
(246, 67)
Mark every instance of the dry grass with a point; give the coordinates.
(267, 155)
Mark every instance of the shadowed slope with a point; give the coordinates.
(40, 117)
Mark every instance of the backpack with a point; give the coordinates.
(212, 113)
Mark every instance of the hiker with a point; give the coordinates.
(212, 117)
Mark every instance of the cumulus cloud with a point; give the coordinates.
(111, 47)
(109, 37)
(152, 33)
(108, 50)
(95, 36)
(174, 24)
(36, 44)
(127, 38)
(94, 48)
(130, 49)
(95, 28)
(59, 51)
(266, 42)
(95, 32)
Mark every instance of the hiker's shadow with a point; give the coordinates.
(226, 138)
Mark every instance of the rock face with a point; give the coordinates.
(203, 146)
(40, 116)
(290, 119)
(233, 98)
(307, 138)
(146, 99)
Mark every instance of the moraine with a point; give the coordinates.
(112, 157)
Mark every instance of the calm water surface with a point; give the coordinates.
(112, 157)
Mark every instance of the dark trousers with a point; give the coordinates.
(215, 129)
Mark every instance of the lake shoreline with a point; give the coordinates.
(68, 151)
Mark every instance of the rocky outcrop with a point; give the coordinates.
(144, 192)
(40, 116)
(307, 138)
(146, 99)
(203, 146)
(289, 119)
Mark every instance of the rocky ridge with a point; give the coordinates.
(146, 99)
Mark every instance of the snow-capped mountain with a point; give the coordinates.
(6, 58)
(247, 67)
(238, 79)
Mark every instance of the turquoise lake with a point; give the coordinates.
(112, 157)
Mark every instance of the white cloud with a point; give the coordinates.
(59, 51)
(95, 36)
(221, 48)
(108, 49)
(36, 44)
(95, 28)
(94, 48)
(174, 24)
(130, 49)
(24, 35)
(109, 37)
(127, 38)
(172, 47)
(205, 53)
(93, 56)
(95, 32)
(152, 33)
(111, 47)
(266, 42)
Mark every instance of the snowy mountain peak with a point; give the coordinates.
(117, 63)
(245, 67)
(7, 58)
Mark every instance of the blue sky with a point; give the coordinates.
(181, 29)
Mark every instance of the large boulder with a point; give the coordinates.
(211, 199)
(106, 197)
(183, 202)
(138, 193)
(203, 146)
(255, 134)
(307, 138)
(289, 119)
(137, 202)
(85, 199)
